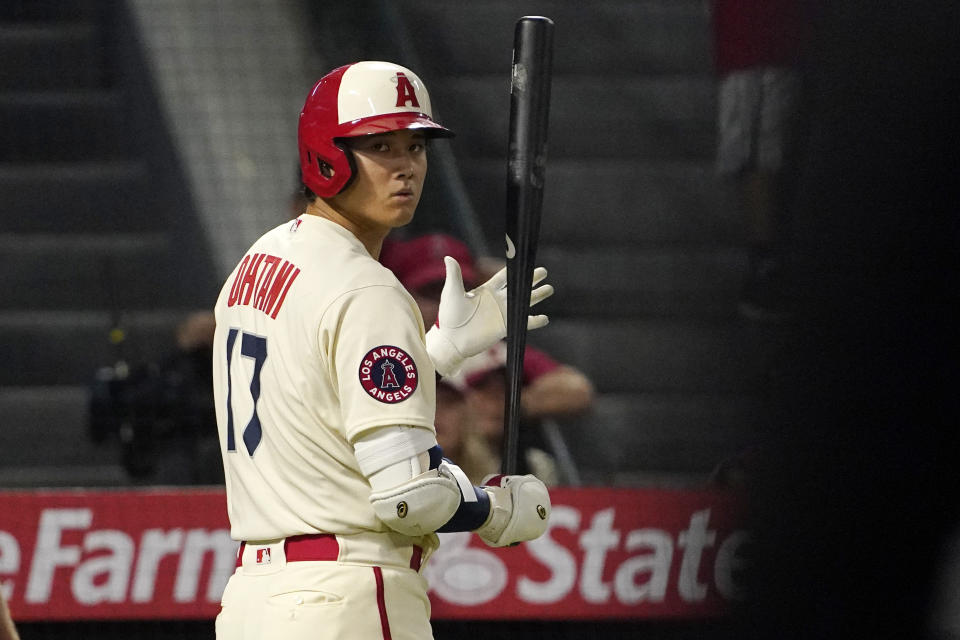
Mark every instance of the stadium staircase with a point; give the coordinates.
(640, 239)
(97, 232)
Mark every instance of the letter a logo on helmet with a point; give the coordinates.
(405, 92)
(358, 99)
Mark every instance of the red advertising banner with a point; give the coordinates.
(71, 555)
(167, 554)
(608, 553)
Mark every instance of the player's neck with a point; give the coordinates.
(370, 238)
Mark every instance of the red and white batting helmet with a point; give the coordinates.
(357, 99)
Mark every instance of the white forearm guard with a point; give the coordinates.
(519, 510)
(421, 505)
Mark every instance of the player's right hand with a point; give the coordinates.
(471, 322)
(519, 510)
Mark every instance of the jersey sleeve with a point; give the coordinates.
(376, 356)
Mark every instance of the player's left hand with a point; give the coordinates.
(519, 510)
(471, 322)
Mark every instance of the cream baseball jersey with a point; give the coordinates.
(315, 343)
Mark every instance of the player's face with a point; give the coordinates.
(390, 169)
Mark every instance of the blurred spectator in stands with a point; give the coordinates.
(8, 630)
(457, 434)
(757, 48)
(550, 389)
(162, 411)
(418, 264)
(484, 378)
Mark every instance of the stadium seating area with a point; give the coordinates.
(100, 231)
(639, 237)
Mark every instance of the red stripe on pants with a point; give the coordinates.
(381, 604)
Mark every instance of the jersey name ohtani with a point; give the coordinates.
(262, 281)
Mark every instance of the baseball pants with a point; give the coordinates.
(271, 598)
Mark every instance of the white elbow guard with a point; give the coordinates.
(420, 505)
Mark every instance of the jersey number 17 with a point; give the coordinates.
(255, 347)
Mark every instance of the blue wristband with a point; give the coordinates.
(470, 515)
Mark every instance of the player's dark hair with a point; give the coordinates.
(307, 193)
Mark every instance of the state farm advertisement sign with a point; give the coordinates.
(114, 555)
(152, 554)
(607, 554)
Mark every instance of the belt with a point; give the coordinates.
(321, 547)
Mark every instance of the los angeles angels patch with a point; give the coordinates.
(388, 374)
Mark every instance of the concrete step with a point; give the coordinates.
(67, 347)
(86, 197)
(651, 36)
(50, 56)
(64, 126)
(45, 442)
(79, 475)
(684, 434)
(593, 201)
(668, 117)
(665, 355)
(597, 282)
(92, 271)
(53, 420)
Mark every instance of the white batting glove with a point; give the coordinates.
(471, 322)
(519, 510)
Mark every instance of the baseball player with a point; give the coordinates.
(325, 385)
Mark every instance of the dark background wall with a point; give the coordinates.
(862, 472)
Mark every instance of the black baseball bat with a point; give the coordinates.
(526, 165)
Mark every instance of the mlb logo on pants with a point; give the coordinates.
(263, 556)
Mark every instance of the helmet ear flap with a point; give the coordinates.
(327, 174)
(351, 162)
